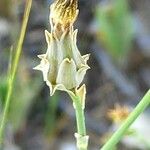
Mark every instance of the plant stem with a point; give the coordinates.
(81, 137)
(14, 67)
(116, 137)
(80, 118)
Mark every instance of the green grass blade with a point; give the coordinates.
(14, 68)
(116, 137)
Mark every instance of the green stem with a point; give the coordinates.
(80, 118)
(14, 67)
(81, 137)
(116, 137)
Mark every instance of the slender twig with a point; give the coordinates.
(116, 137)
(14, 67)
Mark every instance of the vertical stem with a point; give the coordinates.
(80, 118)
(14, 68)
(143, 104)
(81, 137)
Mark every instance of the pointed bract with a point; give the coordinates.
(66, 74)
(81, 92)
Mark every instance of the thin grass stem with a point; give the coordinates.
(116, 137)
(12, 74)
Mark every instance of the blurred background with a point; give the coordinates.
(117, 35)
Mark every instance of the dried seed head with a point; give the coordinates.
(63, 12)
(118, 114)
